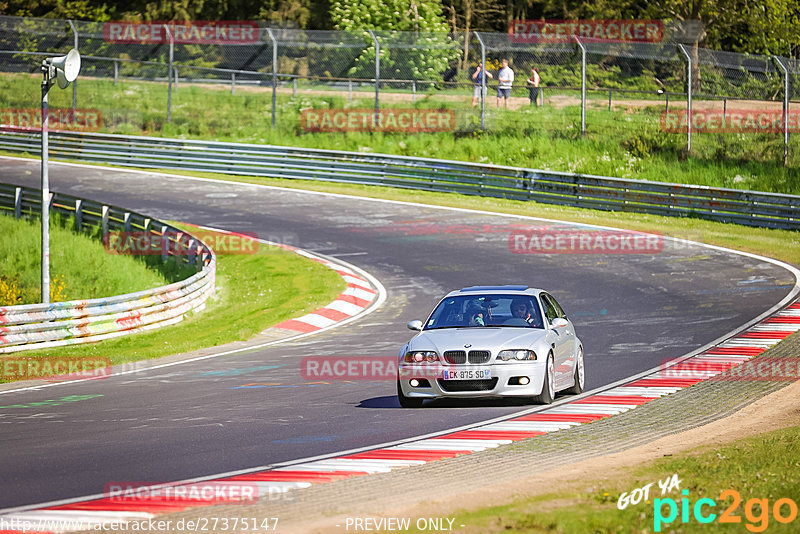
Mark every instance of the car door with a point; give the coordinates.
(564, 352)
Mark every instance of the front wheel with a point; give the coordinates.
(549, 386)
(407, 402)
(579, 374)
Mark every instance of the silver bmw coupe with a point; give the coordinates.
(491, 341)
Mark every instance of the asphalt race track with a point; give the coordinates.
(632, 311)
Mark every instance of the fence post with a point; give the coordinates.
(483, 80)
(609, 99)
(294, 87)
(116, 71)
(377, 76)
(724, 111)
(785, 109)
(583, 86)
(688, 97)
(169, 72)
(413, 90)
(177, 76)
(349, 91)
(74, 84)
(274, 73)
(233, 83)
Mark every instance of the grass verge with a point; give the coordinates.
(254, 292)
(80, 268)
(761, 470)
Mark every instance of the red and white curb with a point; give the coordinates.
(360, 294)
(734, 351)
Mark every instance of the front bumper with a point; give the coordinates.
(504, 381)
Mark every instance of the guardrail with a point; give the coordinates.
(35, 326)
(580, 190)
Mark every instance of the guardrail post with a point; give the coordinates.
(104, 220)
(583, 87)
(169, 72)
(192, 251)
(146, 225)
(688, 97)
(18, 203)
(164, 243)
(377, 76)
(274, 73)
(79, 215)
(74, 82)
(483, 81)
(785, 109)
(126, 220)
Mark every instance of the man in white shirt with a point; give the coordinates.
(506, 78)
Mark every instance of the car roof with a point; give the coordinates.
(506, 289)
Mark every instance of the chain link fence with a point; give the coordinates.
(587, 88)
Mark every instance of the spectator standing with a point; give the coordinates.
(506, 79)
(533, 86)
(479, 79)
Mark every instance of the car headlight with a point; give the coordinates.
(518, 355)
(420, 356)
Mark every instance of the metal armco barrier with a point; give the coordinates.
(35, 326)
(580, 190)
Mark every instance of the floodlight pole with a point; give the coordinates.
(46, 84)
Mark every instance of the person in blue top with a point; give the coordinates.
(478, 78)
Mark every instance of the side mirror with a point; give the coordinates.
(559, 322)
(415, 325)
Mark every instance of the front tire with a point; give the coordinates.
(579, 375)
(407, 402)
(549, 386)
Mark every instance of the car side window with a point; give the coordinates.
(559, 309)
(549, 310)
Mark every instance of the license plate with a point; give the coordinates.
(467, 374)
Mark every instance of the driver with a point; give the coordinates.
(520, 308)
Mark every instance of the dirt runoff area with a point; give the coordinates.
(777, 410)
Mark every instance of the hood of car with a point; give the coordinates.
(482, 338)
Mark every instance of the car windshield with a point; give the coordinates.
(478, 311)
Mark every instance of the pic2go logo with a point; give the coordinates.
(756, 511)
